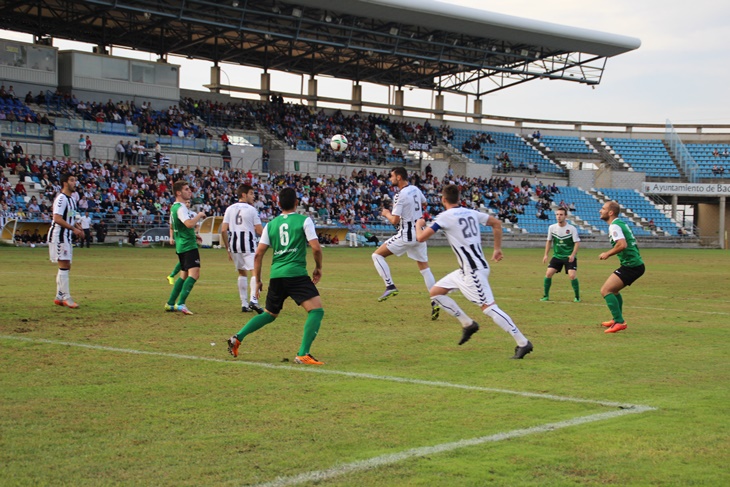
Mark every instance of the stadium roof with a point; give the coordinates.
(414, 43)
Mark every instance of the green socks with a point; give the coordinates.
(311, 327)
(547, 282)
(620, 302)
(576, 287)
(614, 305)
(175, 270)
(255, 323)
(176, 288)
(188, 284)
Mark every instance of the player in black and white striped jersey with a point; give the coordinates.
(60, 238)
(408, 205)
(462, 228)
(239, 233)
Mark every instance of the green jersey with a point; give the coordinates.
(288, 235)
(629, 256)
(564, 240)
(185, 239)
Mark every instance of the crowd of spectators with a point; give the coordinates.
(126, 195)
(13, 109)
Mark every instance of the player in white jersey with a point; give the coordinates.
(60, 238)
(461, 226)
(239, 233)
(407, 208)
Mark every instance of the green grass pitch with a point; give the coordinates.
(119, 392)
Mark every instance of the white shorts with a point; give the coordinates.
(244, 262)
(60, 251)
(417, 251)
(473, 285)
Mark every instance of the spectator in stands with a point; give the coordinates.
(87, 151)
(226, 156)
(651, 224)
(130, 151)
(120, 150)
(541, 214)
(716, 152)
(82, 146)
(20, 189)
(29, 98)
(141, 152)
(85, 222)
(716, 170)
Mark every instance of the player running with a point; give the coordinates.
(461, 226)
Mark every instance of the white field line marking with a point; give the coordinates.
(319, 370)
(391, 458)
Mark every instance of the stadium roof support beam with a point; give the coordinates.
(419, 43)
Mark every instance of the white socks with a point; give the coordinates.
(243, 289)
(383, 270)
(253, 298)
(62, 287)
(428, 278)
(503, 320)
(450, 306)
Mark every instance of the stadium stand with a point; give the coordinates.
(643, 208)
(477, 147)
(645, 155)
(713, 159)
(567, 144)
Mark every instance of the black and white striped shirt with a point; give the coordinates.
(462, 229)
(66, 207)
(408, 205)
(242, 219)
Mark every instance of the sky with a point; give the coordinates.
(680, 72)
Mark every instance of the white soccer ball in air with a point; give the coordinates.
(338, 143)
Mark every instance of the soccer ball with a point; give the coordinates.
(338, 143)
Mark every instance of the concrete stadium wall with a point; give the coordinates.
(708, 219)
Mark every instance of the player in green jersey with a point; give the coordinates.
(183, 225)
(288, 235)
(565, 241)
(632, 267)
